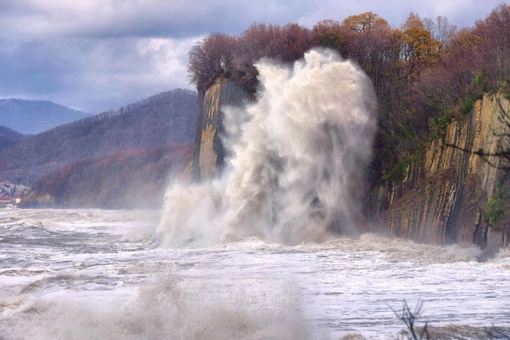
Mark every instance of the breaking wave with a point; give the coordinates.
(167, 309)
(297, 158)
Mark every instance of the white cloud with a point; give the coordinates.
(100, 54)
(126, 70)
(113, 18)
(185, 18)
(94, 75)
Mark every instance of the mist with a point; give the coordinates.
(297, 158)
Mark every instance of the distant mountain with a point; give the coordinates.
(8, 137)
(35, 116)
(164, 119)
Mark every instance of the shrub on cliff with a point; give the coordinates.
(497, 211)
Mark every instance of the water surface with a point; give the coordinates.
(98, 274)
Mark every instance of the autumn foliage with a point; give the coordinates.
(425, 72)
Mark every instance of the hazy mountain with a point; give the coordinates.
(164, 119)
(35, 116)
(135, 178)
(8, 137)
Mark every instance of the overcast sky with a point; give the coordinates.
(96, 55)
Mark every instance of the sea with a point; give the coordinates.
(253, 253)
(104, 274)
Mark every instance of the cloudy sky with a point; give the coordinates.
(96, 55)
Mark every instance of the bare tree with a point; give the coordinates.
(409, 318)
(440, 29)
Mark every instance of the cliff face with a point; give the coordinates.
(209, 154)
(442, 198)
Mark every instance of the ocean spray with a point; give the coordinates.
(296, 161)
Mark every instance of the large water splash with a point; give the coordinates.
(297, 160)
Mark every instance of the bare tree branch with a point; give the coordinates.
(500, 157)
(409, 318)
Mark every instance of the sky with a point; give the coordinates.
(97, 55)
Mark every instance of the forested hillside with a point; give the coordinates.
(166, 118)
(8, 137)
(426, 72)
(35, 116)
(133, 178)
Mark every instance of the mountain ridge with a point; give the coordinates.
(32, 116)
(166, 118)
(9, 137)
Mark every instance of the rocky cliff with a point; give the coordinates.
(209, 154)
(444, 194)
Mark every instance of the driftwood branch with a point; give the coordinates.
(409, 318)
(485, 156)
(501, 157)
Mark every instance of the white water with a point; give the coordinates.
(297, 157)
(250, 270)
(92, 274)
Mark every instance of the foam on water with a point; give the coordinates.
(297, 156)
(127, 287)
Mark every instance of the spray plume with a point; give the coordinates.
(297, 160)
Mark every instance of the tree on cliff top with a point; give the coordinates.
(420, 50)
(425, 73)
(365, 22)
(220, 55)
(210, 59)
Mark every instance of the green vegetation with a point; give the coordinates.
(494, 210)
(505, 88)
(497, 210)
(479, 79)
(444, 120)
(469, 102)
(400, 171)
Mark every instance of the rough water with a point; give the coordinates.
(97, 274)
(254, 254)
(296, 160)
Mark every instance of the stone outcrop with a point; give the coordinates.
(209, 153)
(443, 196)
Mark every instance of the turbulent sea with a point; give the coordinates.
(100, 274)
(251, 254)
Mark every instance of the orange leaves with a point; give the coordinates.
(419, 49)
(365, 22)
